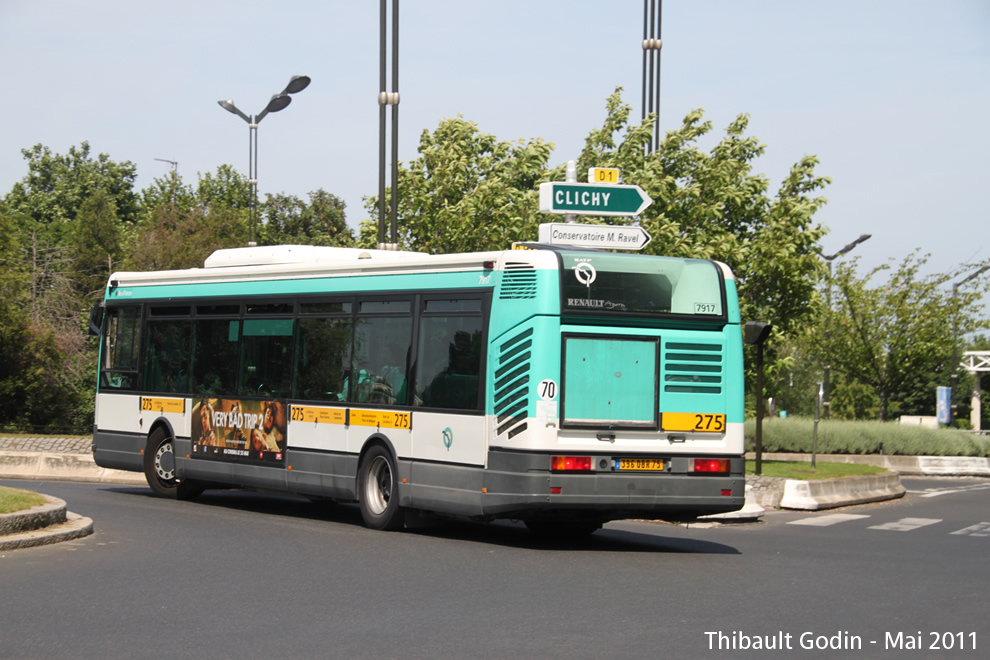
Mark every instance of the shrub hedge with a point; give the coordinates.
(794, 434)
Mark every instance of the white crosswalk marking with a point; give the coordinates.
(907, 524)
(979, 529)
(825, 521)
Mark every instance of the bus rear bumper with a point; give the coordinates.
(515, 489)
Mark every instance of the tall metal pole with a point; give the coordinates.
(759, 408)
(646, 24)
(382, 100)
(652, 13)
(395, 122)
(253, 177)
(756, 332)
(388, 98)
(656, 126)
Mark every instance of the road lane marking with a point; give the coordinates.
(907, 524)
(935, 492)
(825, 521)
(979, 529)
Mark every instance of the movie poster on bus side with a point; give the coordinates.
(239, 430)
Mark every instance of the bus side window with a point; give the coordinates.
(382, 349)
(450, 350)
(215, 356)
(121, 341)
(266, 357)
(323, 356)
(167, 356)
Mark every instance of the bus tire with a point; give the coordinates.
(159, 469)
(378, 491)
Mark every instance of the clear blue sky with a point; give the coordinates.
(892, 96)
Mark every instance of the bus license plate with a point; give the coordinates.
(693, 422)
(654, 464)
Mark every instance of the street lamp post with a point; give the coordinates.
(826, 385)
(954, 378)
(755, 333)
(278, 102)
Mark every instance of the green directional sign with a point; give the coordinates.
(592, 199)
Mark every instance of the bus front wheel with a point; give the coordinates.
(159, 468)
(378, 491)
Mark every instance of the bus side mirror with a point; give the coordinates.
(96, 318)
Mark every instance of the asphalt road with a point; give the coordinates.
(244, 575)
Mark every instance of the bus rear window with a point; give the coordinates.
(638, 284)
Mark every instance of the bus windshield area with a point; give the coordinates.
(611, 284)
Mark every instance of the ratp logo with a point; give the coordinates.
(448, 438)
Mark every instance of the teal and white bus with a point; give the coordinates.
(557, 386)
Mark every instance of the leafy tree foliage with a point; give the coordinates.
(96, 247)
(48, 200)
(896, 337)
(467, 191)
(712, 206)
(291, 221)
(180, 225)
(33, 366)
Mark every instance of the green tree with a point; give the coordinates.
(97, 244)
(712, 206)
(896, 337)
(467, 191)
(182, 234)
(227, 189)
(48, 200)
(291, 221)
(33, 366)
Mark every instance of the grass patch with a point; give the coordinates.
(15, 499)
(802, 469)
(794, 435)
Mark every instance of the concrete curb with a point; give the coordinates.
(932, 466)
(61, 467)
(42, 525)
(844, 491)
(752, 510)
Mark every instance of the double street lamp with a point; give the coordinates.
(278, 102)
(826, 402)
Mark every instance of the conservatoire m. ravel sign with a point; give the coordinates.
(614, 237)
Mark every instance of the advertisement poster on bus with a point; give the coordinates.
(237, 430)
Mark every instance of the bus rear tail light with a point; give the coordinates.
(710, 465)
(570, 463)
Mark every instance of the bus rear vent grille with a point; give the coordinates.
(693, 368)
(512, 384)
(518, 282)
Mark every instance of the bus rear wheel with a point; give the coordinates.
(159, 469)
(378, 491)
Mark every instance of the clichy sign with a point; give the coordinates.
(592, 198)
